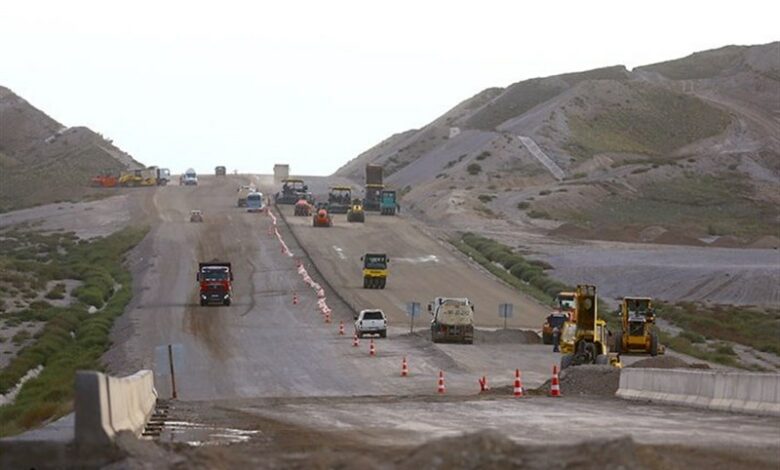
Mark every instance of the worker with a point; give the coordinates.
(556, 334)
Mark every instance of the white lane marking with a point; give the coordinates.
(419, 259)
(340, 252)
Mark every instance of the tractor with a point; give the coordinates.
(374, 270)
(637, 334)
(356, 213)
(590, 334)
(322, 217)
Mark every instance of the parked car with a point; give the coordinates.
(371, 322)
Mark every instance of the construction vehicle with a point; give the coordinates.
(138, 177)
(638, 333)
(220, 171)
(374, 270)
(322, 218)
(215, 279)
(281, 172)
(189, 178)
(373, 188)
(388, 205)
(196, 215)
(563, 312)
(302, 208)
(590, 335)
(339, 199)
(104, 181)
(453, 320)
(254, 202)
(244, 191)
(371, 322)
(292, 191)
(356, 213)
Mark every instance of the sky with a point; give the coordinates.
(313, 84)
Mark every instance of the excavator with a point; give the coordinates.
(590, 333)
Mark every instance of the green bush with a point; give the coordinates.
(536, 214)
(523, 205)
(90, 295)
(474, 168)
(485, 198)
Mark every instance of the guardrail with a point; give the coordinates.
(106, 405)
(743, 392)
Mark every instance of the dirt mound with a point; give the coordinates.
(490, 450)
(586, 380)
(768, 241)
(675, 238)
(506, 336)
(667, 362)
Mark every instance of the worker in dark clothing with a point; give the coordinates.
(556, 338)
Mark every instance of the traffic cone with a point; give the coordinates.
(555, 386)
(441, 388)
(341, 328)
(295, 298)
(483, 384)
(355, 341)
(518, 385)
(372, 348)
(404, 368)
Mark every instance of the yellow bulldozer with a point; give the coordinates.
(589, 345)
(139, 177)
(638, 333)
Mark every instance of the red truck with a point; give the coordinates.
(216, 283)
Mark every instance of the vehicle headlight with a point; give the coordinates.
(226, 296)
(203, 296)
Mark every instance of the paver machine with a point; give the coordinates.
(590, 335)
(637, 333)
(292, 191)
(356, 212)
(339, 199)
(374, 270)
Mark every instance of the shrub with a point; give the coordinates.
(523, 205)
(485, 198)
(483, 155)
(544, 192)
(536, 214)
(474, 168)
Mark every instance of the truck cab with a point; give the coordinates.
(215, 280)
(453, 320)
(189, 178)
(254, 202)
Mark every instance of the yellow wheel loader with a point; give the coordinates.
(638, 333)
(590, 333)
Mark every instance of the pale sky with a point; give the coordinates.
(314, 83)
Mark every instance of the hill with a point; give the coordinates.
(684, 151)
(42, 161)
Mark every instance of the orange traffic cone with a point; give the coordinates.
(341, 328)
(355, 341)
(483, 384)
(295, 298)
(372, 348)
(327, 316)
(404, 368)
(555, 386)
(441, 388)
(518, 384)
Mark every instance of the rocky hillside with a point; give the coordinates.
(685, 151)
(42, 161)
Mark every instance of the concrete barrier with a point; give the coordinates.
(716, 390)
(106, 405)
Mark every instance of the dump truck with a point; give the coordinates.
(563, 312)
(453, 320)
(590, 336)
(374, 270)
(220, 171)
(356, 213)
(637, 333)
(388, 204)
(339, 199)
(292, 190)
(373, 188)
(281, 172)
(215, 280)
(163, 176)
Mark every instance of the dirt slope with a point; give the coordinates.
(42, 161)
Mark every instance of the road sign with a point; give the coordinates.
(413, 310)
(505, 311)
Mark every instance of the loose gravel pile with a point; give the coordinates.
(586, 380)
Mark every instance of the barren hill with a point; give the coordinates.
(685, 151)
(43, 161)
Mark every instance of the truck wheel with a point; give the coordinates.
(653, 344)
(619, 342)
(566, 360)
(227, 302)
(602, 359)
(202, 303)
(382, 283)
(365, 283)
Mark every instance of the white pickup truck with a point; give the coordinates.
(371, 322)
